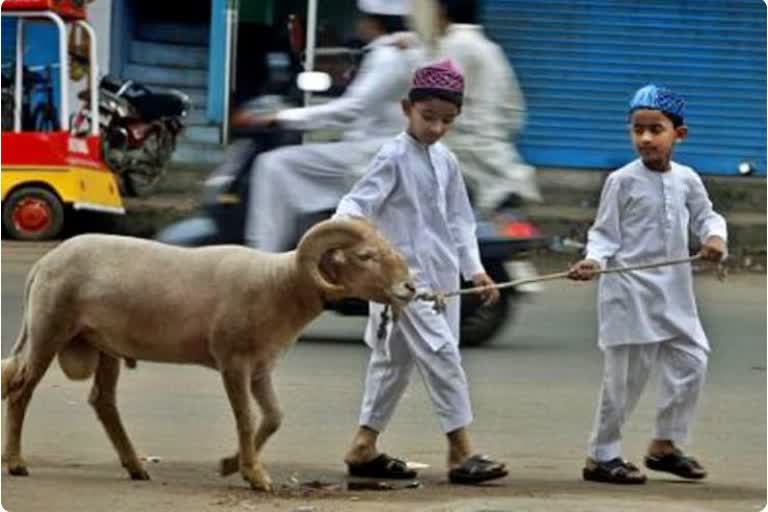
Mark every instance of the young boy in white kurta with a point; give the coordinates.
(649, 318)
(414, 192)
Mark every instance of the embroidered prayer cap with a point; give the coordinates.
(384, 7)
(443, 75)
(658, 98)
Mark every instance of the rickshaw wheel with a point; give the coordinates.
(33, 213)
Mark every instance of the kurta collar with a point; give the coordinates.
(413, 140)
(654, 171)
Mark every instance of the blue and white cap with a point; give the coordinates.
(658, 98)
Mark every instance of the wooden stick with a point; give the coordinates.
(440, 298)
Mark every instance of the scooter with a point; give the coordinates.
(504, 240)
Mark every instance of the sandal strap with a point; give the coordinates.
(396, 465)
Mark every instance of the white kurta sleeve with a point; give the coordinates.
(705, 222)
(512, 103)
(461, 222)
(604, 237)
(372, 85)
(370, 192)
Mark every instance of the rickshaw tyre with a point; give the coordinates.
(51, 230)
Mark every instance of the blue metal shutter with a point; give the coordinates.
(579, 62)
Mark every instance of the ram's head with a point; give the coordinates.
(349, 258)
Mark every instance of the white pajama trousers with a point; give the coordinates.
(392, 362)
(681, 366)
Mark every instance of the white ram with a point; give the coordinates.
(97, 298)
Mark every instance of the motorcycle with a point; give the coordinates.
(139, 129)
(504, 240)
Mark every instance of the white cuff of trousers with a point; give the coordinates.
(605, 452)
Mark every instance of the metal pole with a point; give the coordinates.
(309, 54)
(230, 19)
(19, 78)
(63, 71)
(93, 78)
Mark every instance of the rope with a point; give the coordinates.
(440, 299)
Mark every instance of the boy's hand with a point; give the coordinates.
(489, 296)
(584, 270)
(713, 249)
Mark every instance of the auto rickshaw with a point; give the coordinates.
(48, 171)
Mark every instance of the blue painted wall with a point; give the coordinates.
(579, 61)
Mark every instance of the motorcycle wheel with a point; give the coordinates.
(161, 144)
(140, 185)
(479, 324)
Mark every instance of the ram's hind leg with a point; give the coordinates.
(29, 368)
(104, 402)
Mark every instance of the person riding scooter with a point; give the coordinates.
(294, 180)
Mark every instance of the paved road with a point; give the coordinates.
(533, 392)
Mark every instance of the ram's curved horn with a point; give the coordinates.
(327, 235)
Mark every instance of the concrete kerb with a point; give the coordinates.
(571, 201)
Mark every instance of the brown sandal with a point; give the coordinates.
(614, 471)
(678, 464)
(384, 467)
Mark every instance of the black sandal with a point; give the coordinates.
(614, 471)
(384, 467)
(477, 469)
(678, 464)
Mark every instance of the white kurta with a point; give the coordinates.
(294, 180)
(415, 194)
(644, 216)
(491, 117)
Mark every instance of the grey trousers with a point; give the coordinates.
(681, 366)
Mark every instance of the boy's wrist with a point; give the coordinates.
(597, 260)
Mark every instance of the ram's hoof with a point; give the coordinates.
(19, 470)
(229, 465)
(140, 474)
(258, 478)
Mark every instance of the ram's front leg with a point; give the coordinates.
(236, 376)
(264, 392)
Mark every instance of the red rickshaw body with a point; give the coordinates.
(45, 171)
(67, 9)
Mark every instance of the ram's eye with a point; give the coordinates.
(367, 255)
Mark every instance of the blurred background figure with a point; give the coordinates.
(290, 181)
(493, 112)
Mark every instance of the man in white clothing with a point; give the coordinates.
(311, 178)
(649, 317)
(493, 113)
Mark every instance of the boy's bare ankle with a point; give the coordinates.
(359, 454)
(459, 447)
(363, 447)
(661, 447)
